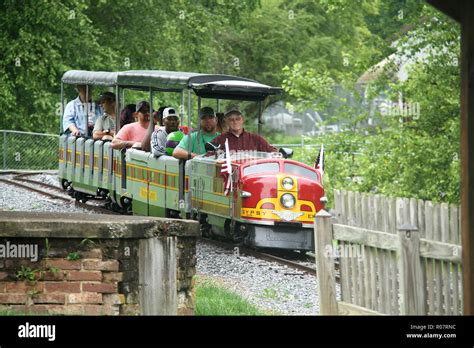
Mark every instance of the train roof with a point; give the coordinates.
(204, 85)
(83, 77)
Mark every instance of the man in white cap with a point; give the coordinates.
(158, 138)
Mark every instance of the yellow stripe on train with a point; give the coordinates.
(270, 214)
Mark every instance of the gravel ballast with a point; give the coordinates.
(272, 287)
(20, 199)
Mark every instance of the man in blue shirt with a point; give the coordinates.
(208, 133)
(74, 119)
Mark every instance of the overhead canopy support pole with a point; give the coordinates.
(199, 127)
(86, 114)
(123, 98)
(260, 111)
(146, 142)
(61, 130)
(117, 109)
(181, 108)
(151, 103)
(189, 121)
(467, 154)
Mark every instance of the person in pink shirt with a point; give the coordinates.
(132, 134)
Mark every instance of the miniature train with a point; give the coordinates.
(273, 200)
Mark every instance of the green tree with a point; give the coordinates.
(39, 41)
(415, 156)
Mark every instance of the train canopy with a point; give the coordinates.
(204, 85)
(96, 78)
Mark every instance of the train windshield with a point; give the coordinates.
(301, 171)
(248, 155)
(262, 168)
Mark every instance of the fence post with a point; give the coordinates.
(4, 150)
(325, 263)
(412, 287)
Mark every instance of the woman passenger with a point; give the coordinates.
(221, 123)
(127, 115)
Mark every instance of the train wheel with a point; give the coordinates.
(171, 213)
(115, 207)
(206, 230)
(126, 204)
(65, 184)
(80, 197)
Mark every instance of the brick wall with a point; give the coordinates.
(56, 285)
(87, 276)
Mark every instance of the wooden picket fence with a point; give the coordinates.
(396, 256)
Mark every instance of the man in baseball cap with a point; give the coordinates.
(106, 96)
(239, 138)
(133, 134)
(105, 126)
(206, 111)
(158, 137)
(143, 106)
(170, 112)
(206, 134)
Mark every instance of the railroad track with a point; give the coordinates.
(261, 255)
(20, 180)
(269, 256)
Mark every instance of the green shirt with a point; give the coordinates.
(204, 138)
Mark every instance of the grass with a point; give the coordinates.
(212, 299)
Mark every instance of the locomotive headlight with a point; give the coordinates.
(288, 200)
(287, 183)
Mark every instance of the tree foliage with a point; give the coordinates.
(407, 156)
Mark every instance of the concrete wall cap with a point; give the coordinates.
(77, 225)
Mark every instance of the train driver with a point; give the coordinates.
(239, 138)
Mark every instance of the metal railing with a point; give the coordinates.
(355, 146)
(27, 150)
(37, 151)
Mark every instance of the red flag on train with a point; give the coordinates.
(226, 170)
(319, 164)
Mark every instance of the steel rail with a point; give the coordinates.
(261, 255)
(15, 181)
